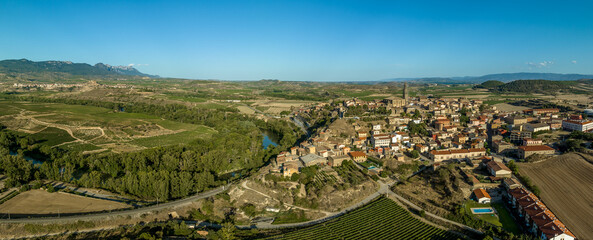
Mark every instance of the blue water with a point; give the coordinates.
(268, 141)
(482, 210)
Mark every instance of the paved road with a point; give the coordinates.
(123, 213)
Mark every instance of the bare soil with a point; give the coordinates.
(566, 183)
(277, 106)
(42, 202)
(505, 107)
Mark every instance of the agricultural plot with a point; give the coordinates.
(42, 202)
(277, 106)
(52, 136)
(87, 128)
(566, 182)
(322, 178)
(380, 219)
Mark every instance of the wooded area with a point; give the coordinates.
(164, 172)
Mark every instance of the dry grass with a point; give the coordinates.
(566, 182)
(277, 106)
(245, 109)
(509, 108)
(42, 202)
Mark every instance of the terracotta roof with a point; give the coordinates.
(496, 166)
(456, 151)
(535, 209)
(481, 193)
(519, 193)
(357, 154)
(536, 148)
(542, 218)
(477, 150)
(474, 179)
(551, 230)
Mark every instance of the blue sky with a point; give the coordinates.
(305, 40)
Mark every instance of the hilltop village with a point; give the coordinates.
(383, 138)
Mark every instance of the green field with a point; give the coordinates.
(52, 136)
(380, 219)
(97, 127)
(80, 147)
(182, 137)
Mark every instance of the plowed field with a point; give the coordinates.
(566, 183)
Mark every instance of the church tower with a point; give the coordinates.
(406, 91)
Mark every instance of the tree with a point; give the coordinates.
(513, 166)
(571, 145)
(414, 154)
(227, 232)
(249, 209)
(482, 107)
(416, 114)
(422, 213)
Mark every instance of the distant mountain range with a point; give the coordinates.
(503, 77)
(51, 69)
(24, 66)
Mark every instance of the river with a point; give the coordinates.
(269, 139)
(30, 159)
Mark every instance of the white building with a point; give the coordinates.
(381, 140)
(536, 127)
(397, 137)
(482, 196)
(578, 125)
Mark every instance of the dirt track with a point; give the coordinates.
(566, 183)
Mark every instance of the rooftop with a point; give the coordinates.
(481, 193)
(496, 166)
(357, 154)
(310, 158)
(536, 148)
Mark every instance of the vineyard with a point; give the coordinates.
(380, 219)
(322, 178)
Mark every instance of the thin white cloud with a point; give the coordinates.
(544, 64)
(136, 64)
(574, 61)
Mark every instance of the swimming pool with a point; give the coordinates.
(482, 210)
